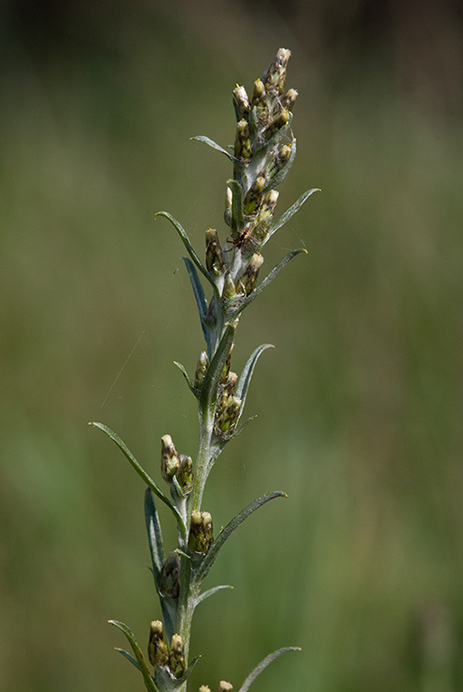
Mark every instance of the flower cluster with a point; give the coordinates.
(264, 150)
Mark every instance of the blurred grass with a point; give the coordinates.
(359, 406)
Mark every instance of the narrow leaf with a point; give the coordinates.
(186, 376)
(153, 527)
(141, 471)
(200, 298)
(198, 290)
(240, 428)
(140, 659)
(283, 172)
(214, 373)
(186, 241)
(188, 671)
(284, 218)
(129, 657)
(268, 279)
(211, 592)
(237, 204)
(245, 378)
(210, 142)
(225, 533)
(253, 122)
(263, 664)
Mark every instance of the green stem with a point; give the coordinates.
(189, 589)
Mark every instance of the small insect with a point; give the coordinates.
(242, 239)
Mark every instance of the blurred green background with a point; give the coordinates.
(360, 404)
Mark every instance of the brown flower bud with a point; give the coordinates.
(289, 99)
(275, 77)
(268, 204)
(229, 290)
(248, 278)
(284, 153)
(227, 390)
(201, 532)
(243, 149)
(185, 474)
(277, 123)
(170, 576)
(224, 686)
(226, 367)
(169, 459)
(177, 663)
(157, 648)
(228, 417)
(259, 102)
(227, 215)
(241, 102)
(201, 368)
(252, 199)
(214, 257)
(258, 95)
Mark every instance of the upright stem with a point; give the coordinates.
(263, 153)
(203, 460)
(189, 591)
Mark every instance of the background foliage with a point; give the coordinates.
(360, 404)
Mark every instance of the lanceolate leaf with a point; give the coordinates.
(225, 533)
(141, 472)
(268, 279)
(210, 142)
(186, 376)
(284, 218)
(283, 172)
(200, 298)
(140, 659)
(211, 592)
(246, 375)
(153, 527)
(237, 204)
(188, 671)
(129, 657)
(263, 664)
(186, 241)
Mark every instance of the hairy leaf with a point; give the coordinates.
(186, 241)
(211, 592)
(129, 657)
(153, 527)
(210, 142)
(237, 204)
(268, 279)
(245, 378)
(283, 172)
(186, 376)
(200, 298)
(263, 664)
(141, 472)
(284, 218)
(226, 532)
(140, 659)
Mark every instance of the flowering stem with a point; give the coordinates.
(264, 150)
